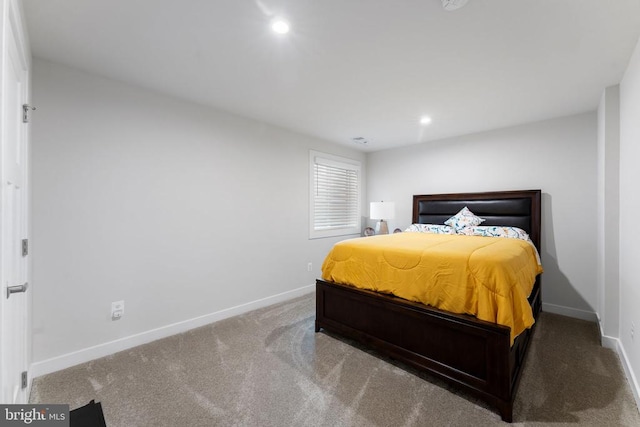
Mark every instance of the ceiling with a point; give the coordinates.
(353, 68)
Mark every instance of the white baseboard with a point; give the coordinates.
(570, 312)
(87, 354)
(606, 341)
(616, 345)
(610, 342)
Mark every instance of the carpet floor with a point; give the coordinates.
(269, 368)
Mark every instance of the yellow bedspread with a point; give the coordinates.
(487, 277)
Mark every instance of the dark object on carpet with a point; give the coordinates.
(89, 415)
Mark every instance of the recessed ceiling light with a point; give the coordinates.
(280, 26)
(453, 4)
(425, 120)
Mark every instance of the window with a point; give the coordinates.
(334, 196)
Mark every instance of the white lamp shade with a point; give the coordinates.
(382, 210)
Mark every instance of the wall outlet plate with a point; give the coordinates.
(117, 310)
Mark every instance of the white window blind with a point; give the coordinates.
(335, 198)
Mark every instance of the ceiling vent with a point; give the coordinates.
(359, 140)
(453, 4)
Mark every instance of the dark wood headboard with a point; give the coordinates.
(508, 208)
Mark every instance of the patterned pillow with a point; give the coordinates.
(495, 231)
(464, 218)
(430, 228)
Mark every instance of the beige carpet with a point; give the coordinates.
(269, 368)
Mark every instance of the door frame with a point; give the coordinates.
(14, 30)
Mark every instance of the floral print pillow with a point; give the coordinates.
(495, 231)
(464, 218)
(430, 228)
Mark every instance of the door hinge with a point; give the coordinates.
(25, 112)
(24, 379)
(25, 247)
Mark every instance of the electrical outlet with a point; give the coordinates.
(309, 267)
(117, 310)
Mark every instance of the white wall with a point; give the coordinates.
(608, 282)
(177, 209)
(557, 156)
(629, 209)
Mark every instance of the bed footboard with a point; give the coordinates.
(460, 349)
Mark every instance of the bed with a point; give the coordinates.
(474, 355)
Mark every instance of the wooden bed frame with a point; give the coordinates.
(472, 354)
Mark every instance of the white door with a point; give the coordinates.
(14, 306)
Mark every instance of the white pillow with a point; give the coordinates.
(464, 218)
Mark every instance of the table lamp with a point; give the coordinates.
(382, 211)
